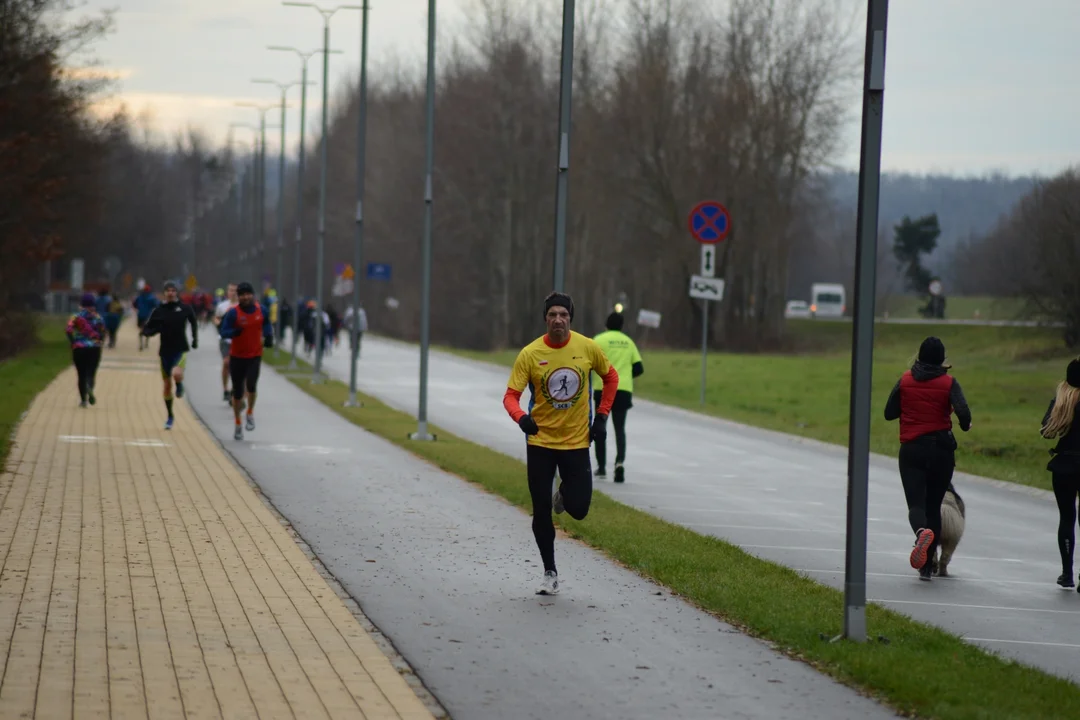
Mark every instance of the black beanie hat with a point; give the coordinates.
(614, 321)
(932, 351)
(1072, 374)
(245, 288)
(561, 300)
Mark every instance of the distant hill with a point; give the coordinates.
(964, 206)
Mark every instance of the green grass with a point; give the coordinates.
(918, 669)
(1008, 375)
(25, 375)
(956, 308)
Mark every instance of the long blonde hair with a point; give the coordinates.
(1061, 417)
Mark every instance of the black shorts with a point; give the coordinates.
(245, 375)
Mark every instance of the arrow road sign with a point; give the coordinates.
(705, 288)
(708, 261)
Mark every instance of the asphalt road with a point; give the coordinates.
(447, 572)
(784, 498)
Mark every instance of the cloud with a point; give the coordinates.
(224, 22)
(97, 73)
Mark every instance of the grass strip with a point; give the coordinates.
(22, 377)
(918, 669)
(1008, 374)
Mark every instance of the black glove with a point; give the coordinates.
(268, 341)
(528, 425)
(194, 344)
(599, 428)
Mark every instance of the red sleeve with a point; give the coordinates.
(512, 403)
(607, 396)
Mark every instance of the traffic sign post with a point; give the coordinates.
(707, 290)
(709, 223)
(379, 271)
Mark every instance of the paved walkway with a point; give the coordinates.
(142, 576)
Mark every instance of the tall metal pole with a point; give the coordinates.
(862, 354)
(260, 199)
(562, 190)
(425, 293)
(319, 248)
(299, 215)
(704, 345)
(280, 275)
(358, 259)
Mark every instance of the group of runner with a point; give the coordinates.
(244, 328)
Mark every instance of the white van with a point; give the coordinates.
(827, 300)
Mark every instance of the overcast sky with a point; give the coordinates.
(972, 86)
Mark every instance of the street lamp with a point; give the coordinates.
(326, 13)
(238, 253)
(279, 276)
(304, 57)
(260, 195)
(425, 249)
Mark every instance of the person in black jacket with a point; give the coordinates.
(1058, 423)
(924, 399)
(169, 320)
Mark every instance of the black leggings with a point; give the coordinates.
(619, 408)
(926, 469)
(1066, 488)
(86, 361)
(245, 375)
(576, 489)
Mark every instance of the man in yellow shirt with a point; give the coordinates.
(624, 356)
(557, 368)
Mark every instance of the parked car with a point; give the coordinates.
(797, 309)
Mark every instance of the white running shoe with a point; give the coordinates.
(250, 425)
(238, 433)
(557, 503)
(550, 584)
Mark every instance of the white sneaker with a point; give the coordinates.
(250, 424)
(557, 503)
(550, 584)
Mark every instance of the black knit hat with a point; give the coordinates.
(1072, 373)
(614, 321)
(561, 300)
(245, 288)
(932, 351)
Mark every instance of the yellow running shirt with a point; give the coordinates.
(558, 378)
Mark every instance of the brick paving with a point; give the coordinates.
(143, 577)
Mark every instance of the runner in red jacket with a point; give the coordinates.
(248, 326)
(924, 399)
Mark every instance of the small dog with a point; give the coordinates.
(952, 529)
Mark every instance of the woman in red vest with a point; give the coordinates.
(1059, 422)
(924, 400)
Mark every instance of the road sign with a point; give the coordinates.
(378, 271)
(191, 283)
(709, 222)
(78, 270)
(708, 261)
(704, 288)
(341, 287)
(648, 318)
(348, 273)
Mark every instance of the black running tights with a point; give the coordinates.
(86, 361)
(575, 472)
(926, 469)
(1066, 488)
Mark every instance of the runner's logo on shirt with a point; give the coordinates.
(562, 387)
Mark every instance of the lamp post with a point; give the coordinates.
(326, 13)
(260, 179)
(304, 57)
(425, 250)
(280, 274)
(358, 251)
